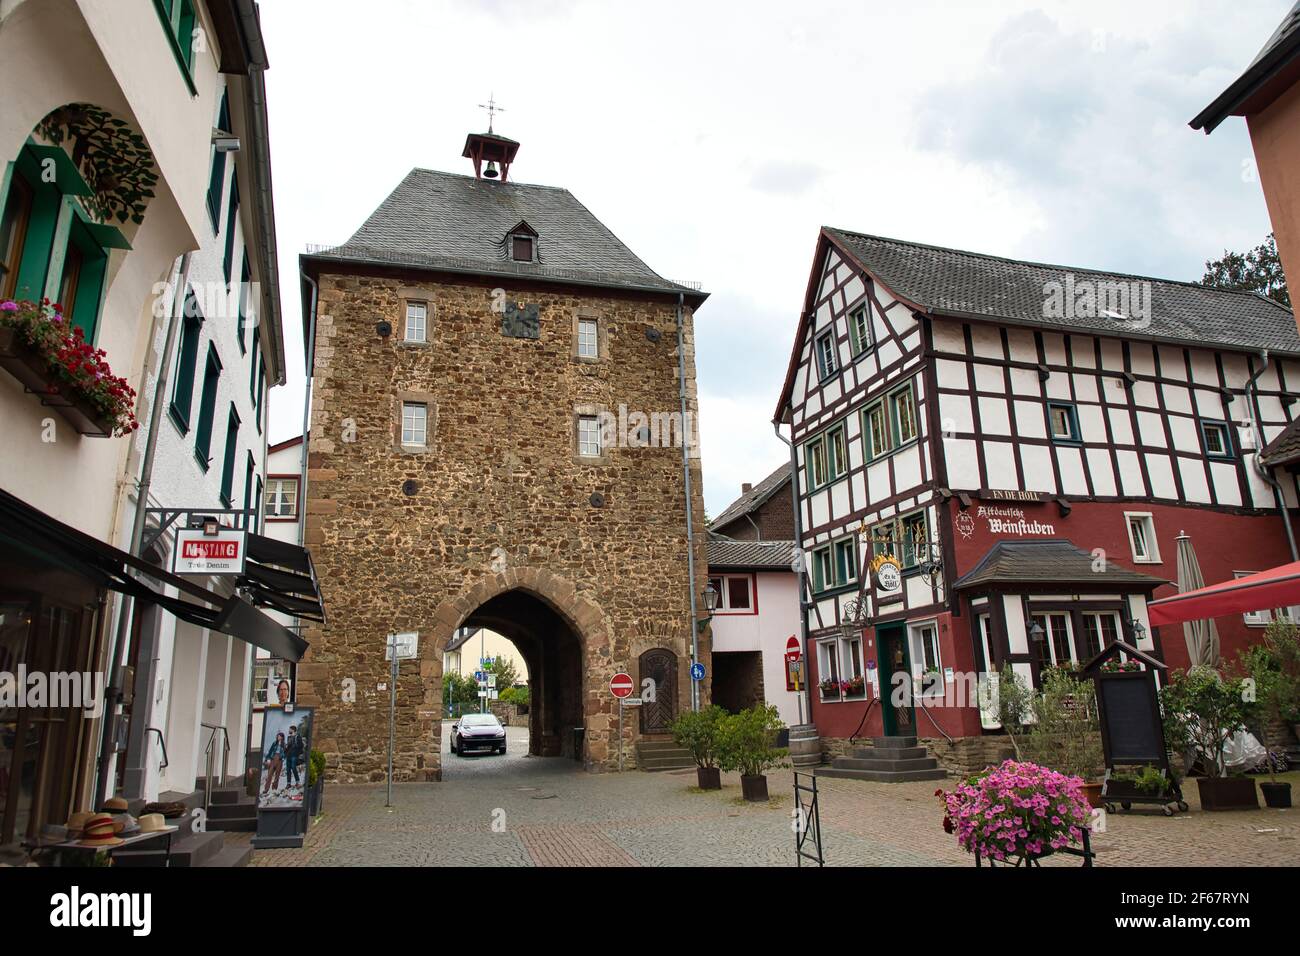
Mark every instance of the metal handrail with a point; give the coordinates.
(211, 755)
(161, 743)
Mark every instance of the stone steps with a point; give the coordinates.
(655, 755)
(887, 760)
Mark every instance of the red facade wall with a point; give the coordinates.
(1224, 542)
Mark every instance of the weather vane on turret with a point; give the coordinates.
(492, 109)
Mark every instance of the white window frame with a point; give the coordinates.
(417, 314)
(274, 490)
(828, 652)
(588, 338)
(722, 584)
(589, 437)
(413, 414)
(860, 339)
(827, 358)
(1047, 637)
(852, 665)
(916, 641)
(1148, 521)
(1085, 613)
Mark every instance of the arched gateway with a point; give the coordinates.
(499, 410)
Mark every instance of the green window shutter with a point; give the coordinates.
(217, 178)
(228, 460)
(248, 491)
(38, 247)
(261, 390)
(183, 389)
(207, 408)
(244, 292)
(252, 369)
(232, 217)
(89, 280)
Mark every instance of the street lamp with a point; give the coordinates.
(1036, 633)
(711, 599)
(1138, 630)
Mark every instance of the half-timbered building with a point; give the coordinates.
(1026, 442)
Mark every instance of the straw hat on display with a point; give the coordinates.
(98, 832)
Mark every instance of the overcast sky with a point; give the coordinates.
(715, 138)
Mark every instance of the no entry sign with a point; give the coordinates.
(620, 685)
(792, 652)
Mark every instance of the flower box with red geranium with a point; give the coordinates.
(1018, 813)
(71, 376)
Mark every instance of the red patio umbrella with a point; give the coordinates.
(1277, 587)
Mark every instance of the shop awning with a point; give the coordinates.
(38, 544)
(1278, 587)
(281, 576)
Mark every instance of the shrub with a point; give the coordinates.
(746, 741)
(1016, 810)
(1066, 735)
(315, 767)
(698, 731)
(1203, 710)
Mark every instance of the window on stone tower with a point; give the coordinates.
(589, 436)
(417, 314)
(415, 419)
(588, 340)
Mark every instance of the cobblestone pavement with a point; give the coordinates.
(516, 810)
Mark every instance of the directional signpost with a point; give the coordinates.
(620, 685)
(397, 647)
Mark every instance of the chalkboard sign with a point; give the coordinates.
(1131, 729)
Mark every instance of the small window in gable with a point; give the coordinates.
(522, 248)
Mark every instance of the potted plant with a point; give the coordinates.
(315, 783)
(1066, 735)
(52, 358)
(747, 744)
(698, 732)
(830, 688)
(1274, 693)
(1016, 812)
(856, 686)
(1204, 710)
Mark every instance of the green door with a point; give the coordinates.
(896, 681)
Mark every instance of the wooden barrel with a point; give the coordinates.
(805, 746)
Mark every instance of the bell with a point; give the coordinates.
(491, 171)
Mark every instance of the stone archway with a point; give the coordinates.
(534, 609)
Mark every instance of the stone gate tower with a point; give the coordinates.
(496, 440)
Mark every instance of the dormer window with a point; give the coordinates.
(521, 243)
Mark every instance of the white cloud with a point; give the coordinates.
(715, 138)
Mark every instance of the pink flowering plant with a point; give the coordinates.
(1016, 812)
(77, 369)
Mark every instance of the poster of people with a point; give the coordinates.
(279, 690)
(286, 747)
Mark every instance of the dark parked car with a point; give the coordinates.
(482, 732)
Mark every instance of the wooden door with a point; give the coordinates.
(660, 665)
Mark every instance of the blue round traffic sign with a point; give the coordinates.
(697, 671)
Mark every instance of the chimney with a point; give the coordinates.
(746, 488)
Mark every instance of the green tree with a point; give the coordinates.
(506, 672)
(746, 741)
(1258, 270)
(1066, 736)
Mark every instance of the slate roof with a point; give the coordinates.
(1280, 53)
(753, 499)
(1050, 561)
(974, 285)
(457, 223)
(770, 555)
(1285, 448)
